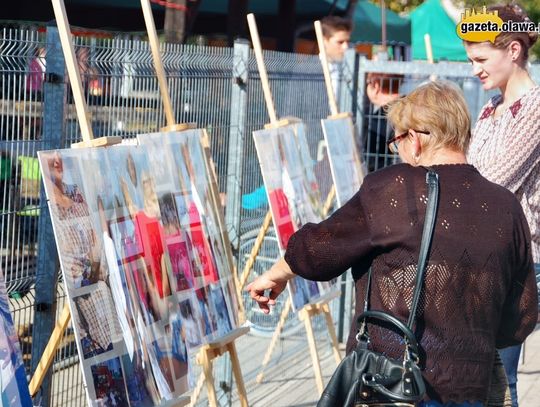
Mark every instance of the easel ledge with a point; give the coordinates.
(325, 299)
(205, 357)
(98, 142)
(342, 115)
(281, 123)
(218, 348)
(179, 127)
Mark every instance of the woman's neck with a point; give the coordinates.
(443, 156)
(517, 85)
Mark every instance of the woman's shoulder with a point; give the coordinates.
(401, 176)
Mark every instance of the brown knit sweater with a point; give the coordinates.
(479, 290)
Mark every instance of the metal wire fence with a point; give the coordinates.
(216, 88)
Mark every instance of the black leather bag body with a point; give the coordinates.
(368, 378)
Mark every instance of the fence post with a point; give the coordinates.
(236, 140)
(349, 73)
(54, 95)
(347, 103)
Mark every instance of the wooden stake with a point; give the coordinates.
(429, 49)
(197, 390)
(326, 71)
(158, 65)
(254, 251)
(331, 330)
(329, 201)
(218, 210)
(73, 70)
(235, 362)
(306, 314)
(50, 351)
(275, 337)
(262, 68)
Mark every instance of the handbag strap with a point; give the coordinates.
(432, 180)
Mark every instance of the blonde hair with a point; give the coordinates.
(438, 108)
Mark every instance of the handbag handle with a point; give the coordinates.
(432, 180)
(407, 333)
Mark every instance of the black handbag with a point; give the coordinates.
(368, 378)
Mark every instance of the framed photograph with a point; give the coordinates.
(220, 309)
(77, 234)
(97, 322)
(110, 386)
(292, 191)
(191, 321)
(345, 163)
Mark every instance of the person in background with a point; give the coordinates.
(381, 90)
(336, 37)
(505, 145)
(479, 291)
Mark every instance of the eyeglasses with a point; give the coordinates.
(394, 141)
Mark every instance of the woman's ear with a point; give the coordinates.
(416, 145)
(515, 50)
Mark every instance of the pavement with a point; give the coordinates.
(529, 372)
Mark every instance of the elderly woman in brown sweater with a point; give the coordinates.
(479, 289)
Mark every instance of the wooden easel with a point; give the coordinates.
(83, 116)
(334, 111)
(306, 314)
(226, 344)
(212, 350)
(310, 310)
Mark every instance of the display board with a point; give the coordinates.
(145, 276)
(345, 162)
(293, 195)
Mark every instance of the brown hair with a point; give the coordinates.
(331, 24)
(439, 108)
(514, 12)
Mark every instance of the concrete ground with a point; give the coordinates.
(529, 372)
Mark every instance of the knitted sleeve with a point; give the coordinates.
(520, 309)
(323, 251)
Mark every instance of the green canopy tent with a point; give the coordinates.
(431, 18)
(368, 25)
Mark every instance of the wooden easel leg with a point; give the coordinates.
(254, 252)
(275, 337)
(332, 332)
(49, 352)
(313, 350)
(329, 201)
(209, 379)
(197, 390)
(242, 394)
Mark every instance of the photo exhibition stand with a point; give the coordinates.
(211, 350)
(83, 116)
(309, 311)
(344, 122)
